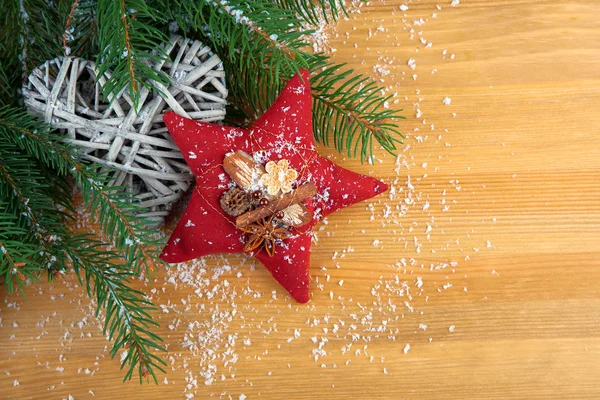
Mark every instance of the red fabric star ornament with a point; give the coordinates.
(283, 132)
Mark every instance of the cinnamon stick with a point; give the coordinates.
(242, 168)
(301, 193)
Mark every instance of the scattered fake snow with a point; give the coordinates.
(215, 312)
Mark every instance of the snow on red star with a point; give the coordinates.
(283, 132)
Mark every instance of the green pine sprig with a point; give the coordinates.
(256, 41)
(127, 313)
(39, 223)
(128, 43)
(79, 27)
(351, 105)
(262, 45)
(315, 11)
(18, 258)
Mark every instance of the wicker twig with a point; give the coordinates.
(66, 92)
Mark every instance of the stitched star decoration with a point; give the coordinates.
(283, 132)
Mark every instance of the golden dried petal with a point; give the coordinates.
(266, 179)
(286, 187)
(290, 175)
(283, 164)
(273, 187)
(271, 167)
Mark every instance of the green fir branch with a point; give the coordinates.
(79, 37)
(351, 106)
(18, 260)
(31, 33)
(115, 213)
(127, 319)
(24, 193)
(7, 88)
(128, 47)
(253, 39)
(315, 11)
(34, 31)
(115, 209)
(349, 109)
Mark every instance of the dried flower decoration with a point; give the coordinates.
(279, 176)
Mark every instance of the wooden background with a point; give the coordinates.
(521, 232)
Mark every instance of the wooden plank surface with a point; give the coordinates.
(506, 283)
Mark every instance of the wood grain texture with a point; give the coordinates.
(525, 149)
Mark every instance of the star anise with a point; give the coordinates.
(264, 233)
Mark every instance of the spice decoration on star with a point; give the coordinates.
(271, 215)
(261, 190)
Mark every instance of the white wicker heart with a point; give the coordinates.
(66, 92)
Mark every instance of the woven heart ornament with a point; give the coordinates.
(67, 93)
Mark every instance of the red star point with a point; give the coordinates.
(283, 132)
